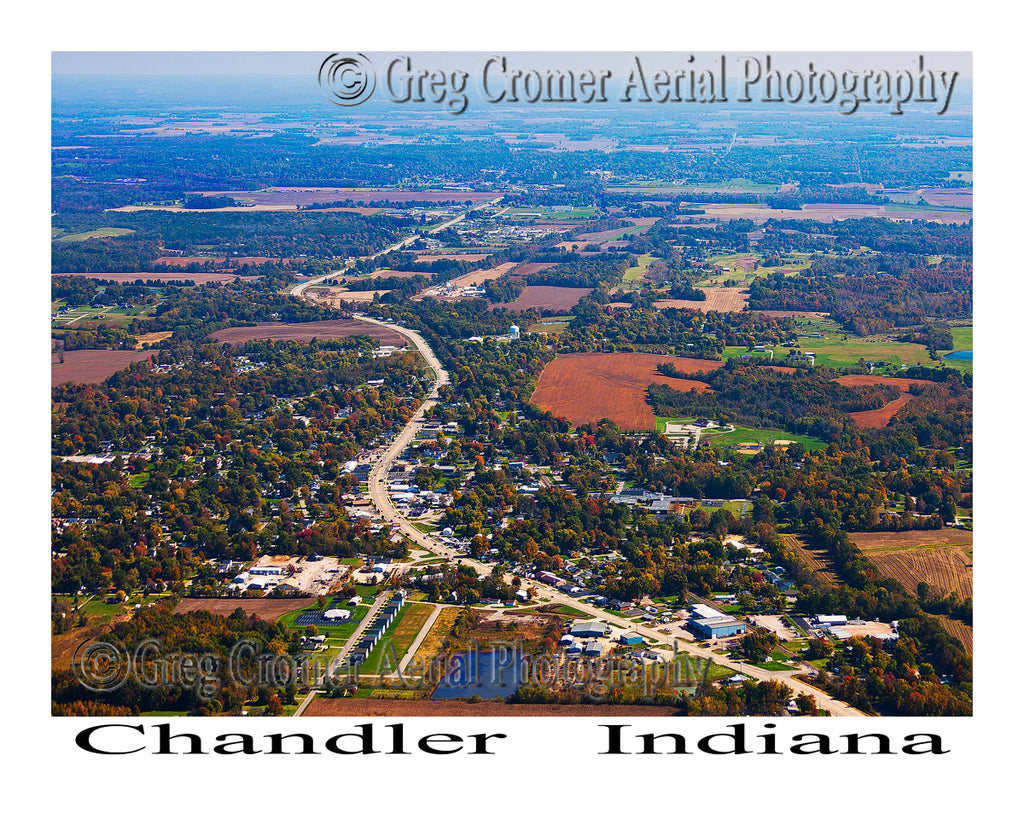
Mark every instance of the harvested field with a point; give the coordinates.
(586, 387)
(264, 609)
(92, 366)
(941, 558)
(306, 331)
(298, 197)
(873, 419)
(185, 261)
(639, 227)
(322, 707)
(790, 313)
(459, 257)
(184, 275)
(817, 559)
(478, 277)
(542, 297)
(717, 299)
(963, 632)
(533, 267)
(151, 338)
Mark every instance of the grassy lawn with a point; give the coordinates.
(761, 436)
(397, 638)
(340, 632)
(637, 273)
(569, 611)
(550, 325)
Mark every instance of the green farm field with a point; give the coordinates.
(58, 235)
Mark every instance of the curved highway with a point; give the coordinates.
(381, 499)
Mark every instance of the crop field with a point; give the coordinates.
(98, 233)
(533, 267)
(151, 338)
(184, 275)
(872, 419)
(586, 387)
(460, 257)
(543, 297)
(957, 628)
(307, 331)
(717, 299)
(478, 277)
(816, 559)
(941, 558)
(297, 197)
(92, 366)
(264, 608)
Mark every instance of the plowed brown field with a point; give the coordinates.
(92, 366)
(718, 299)
(941, 558)
(306, 331)
(872, 419)
(264, 609)
(546, 298)
(586, 387)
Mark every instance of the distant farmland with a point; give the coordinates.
(717, 299)
(307, 331)
(542, 297)
(91, 366)
(586, 387)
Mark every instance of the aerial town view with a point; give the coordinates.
(585, 387)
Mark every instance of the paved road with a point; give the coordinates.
(352, 641)
(419, 639)
(300, 288)
(381, 499)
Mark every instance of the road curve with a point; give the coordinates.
(381, 499)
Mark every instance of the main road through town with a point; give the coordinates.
(381, 499)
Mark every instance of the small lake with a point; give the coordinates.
(960, 355)
(487, 674)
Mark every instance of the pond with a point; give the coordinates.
(487, 674)
(960, 355)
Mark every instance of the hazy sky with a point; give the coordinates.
(302, 63)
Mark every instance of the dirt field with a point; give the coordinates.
(963, 632)
(310, 196)
(940, 558)
(151, 338)
(546, 298)
(815, 558)
(587, 387)
(306, 331)
(459, 257)
(533, 267)
(478, 277)
(184, 275)
(264, 609)
(718, 299)
(450, 708)
(873, 419)
(92, 366)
